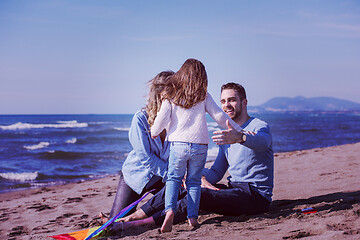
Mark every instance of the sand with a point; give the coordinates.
(326, 179)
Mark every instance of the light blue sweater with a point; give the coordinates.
(149, 156)
(251, 162)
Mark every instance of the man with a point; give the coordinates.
(246, 155)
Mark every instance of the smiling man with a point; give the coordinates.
(246, 155)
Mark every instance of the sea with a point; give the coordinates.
(45, 150)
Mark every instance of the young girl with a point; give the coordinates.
(183, 115)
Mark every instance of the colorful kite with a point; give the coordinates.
(91, 233)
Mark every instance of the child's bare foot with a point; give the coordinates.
(168, 222)
(193, 222)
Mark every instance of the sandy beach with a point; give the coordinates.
(326, 179)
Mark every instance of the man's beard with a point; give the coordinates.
(235, 114)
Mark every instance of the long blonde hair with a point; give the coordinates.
(156, 88)
(188, 86)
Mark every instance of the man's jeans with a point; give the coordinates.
(235, 200)
(186, 158)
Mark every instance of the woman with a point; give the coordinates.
(146, 165)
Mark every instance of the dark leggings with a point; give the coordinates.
(125, 195)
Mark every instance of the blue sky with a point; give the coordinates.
(96, 56)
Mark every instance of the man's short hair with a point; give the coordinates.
(237, 87)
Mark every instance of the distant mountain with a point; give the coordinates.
(302, 104)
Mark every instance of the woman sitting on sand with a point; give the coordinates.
(146, 165)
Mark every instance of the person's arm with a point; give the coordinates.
(259, 140)
(162, 119)
(218, 169)
(140, 140)
(219, 115)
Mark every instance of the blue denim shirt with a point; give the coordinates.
(149, 156)
(252, 161)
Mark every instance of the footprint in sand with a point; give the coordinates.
(19, 230)
(42, 229)
(298, 234)
(39, 207)
(4, 216)
(89, 195)
(73, 200)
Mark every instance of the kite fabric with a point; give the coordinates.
(90, 233)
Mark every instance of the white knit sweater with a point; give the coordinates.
(189, 125)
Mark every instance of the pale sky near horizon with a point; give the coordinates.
(84, 57)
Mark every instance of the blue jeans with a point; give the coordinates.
(186, 158)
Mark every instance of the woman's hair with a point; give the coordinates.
(188, 86)
(156, 88)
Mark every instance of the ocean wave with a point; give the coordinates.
(125, 129)
(32, 176)
(71, 141)
(22, 177)
(100, 123)
(78, 155)
(59, 124)
(37, 146)
(67, 122)
(309, 130)
(103, 140)
(63, 155)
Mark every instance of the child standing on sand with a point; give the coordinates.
(183, 114)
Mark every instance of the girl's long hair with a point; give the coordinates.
(188, 86)
(156, 88)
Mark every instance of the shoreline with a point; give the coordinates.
(322, 178)
(65, 182)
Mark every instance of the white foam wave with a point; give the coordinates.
(126, 129)
(25, 176)
(71, 141)
(213, 152)
(37, 146)
(60, 124)
(66, 122)
(100, 123)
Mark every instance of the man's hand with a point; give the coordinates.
(206, 184)
(229, 136)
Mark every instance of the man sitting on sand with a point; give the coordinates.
(246, 155)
